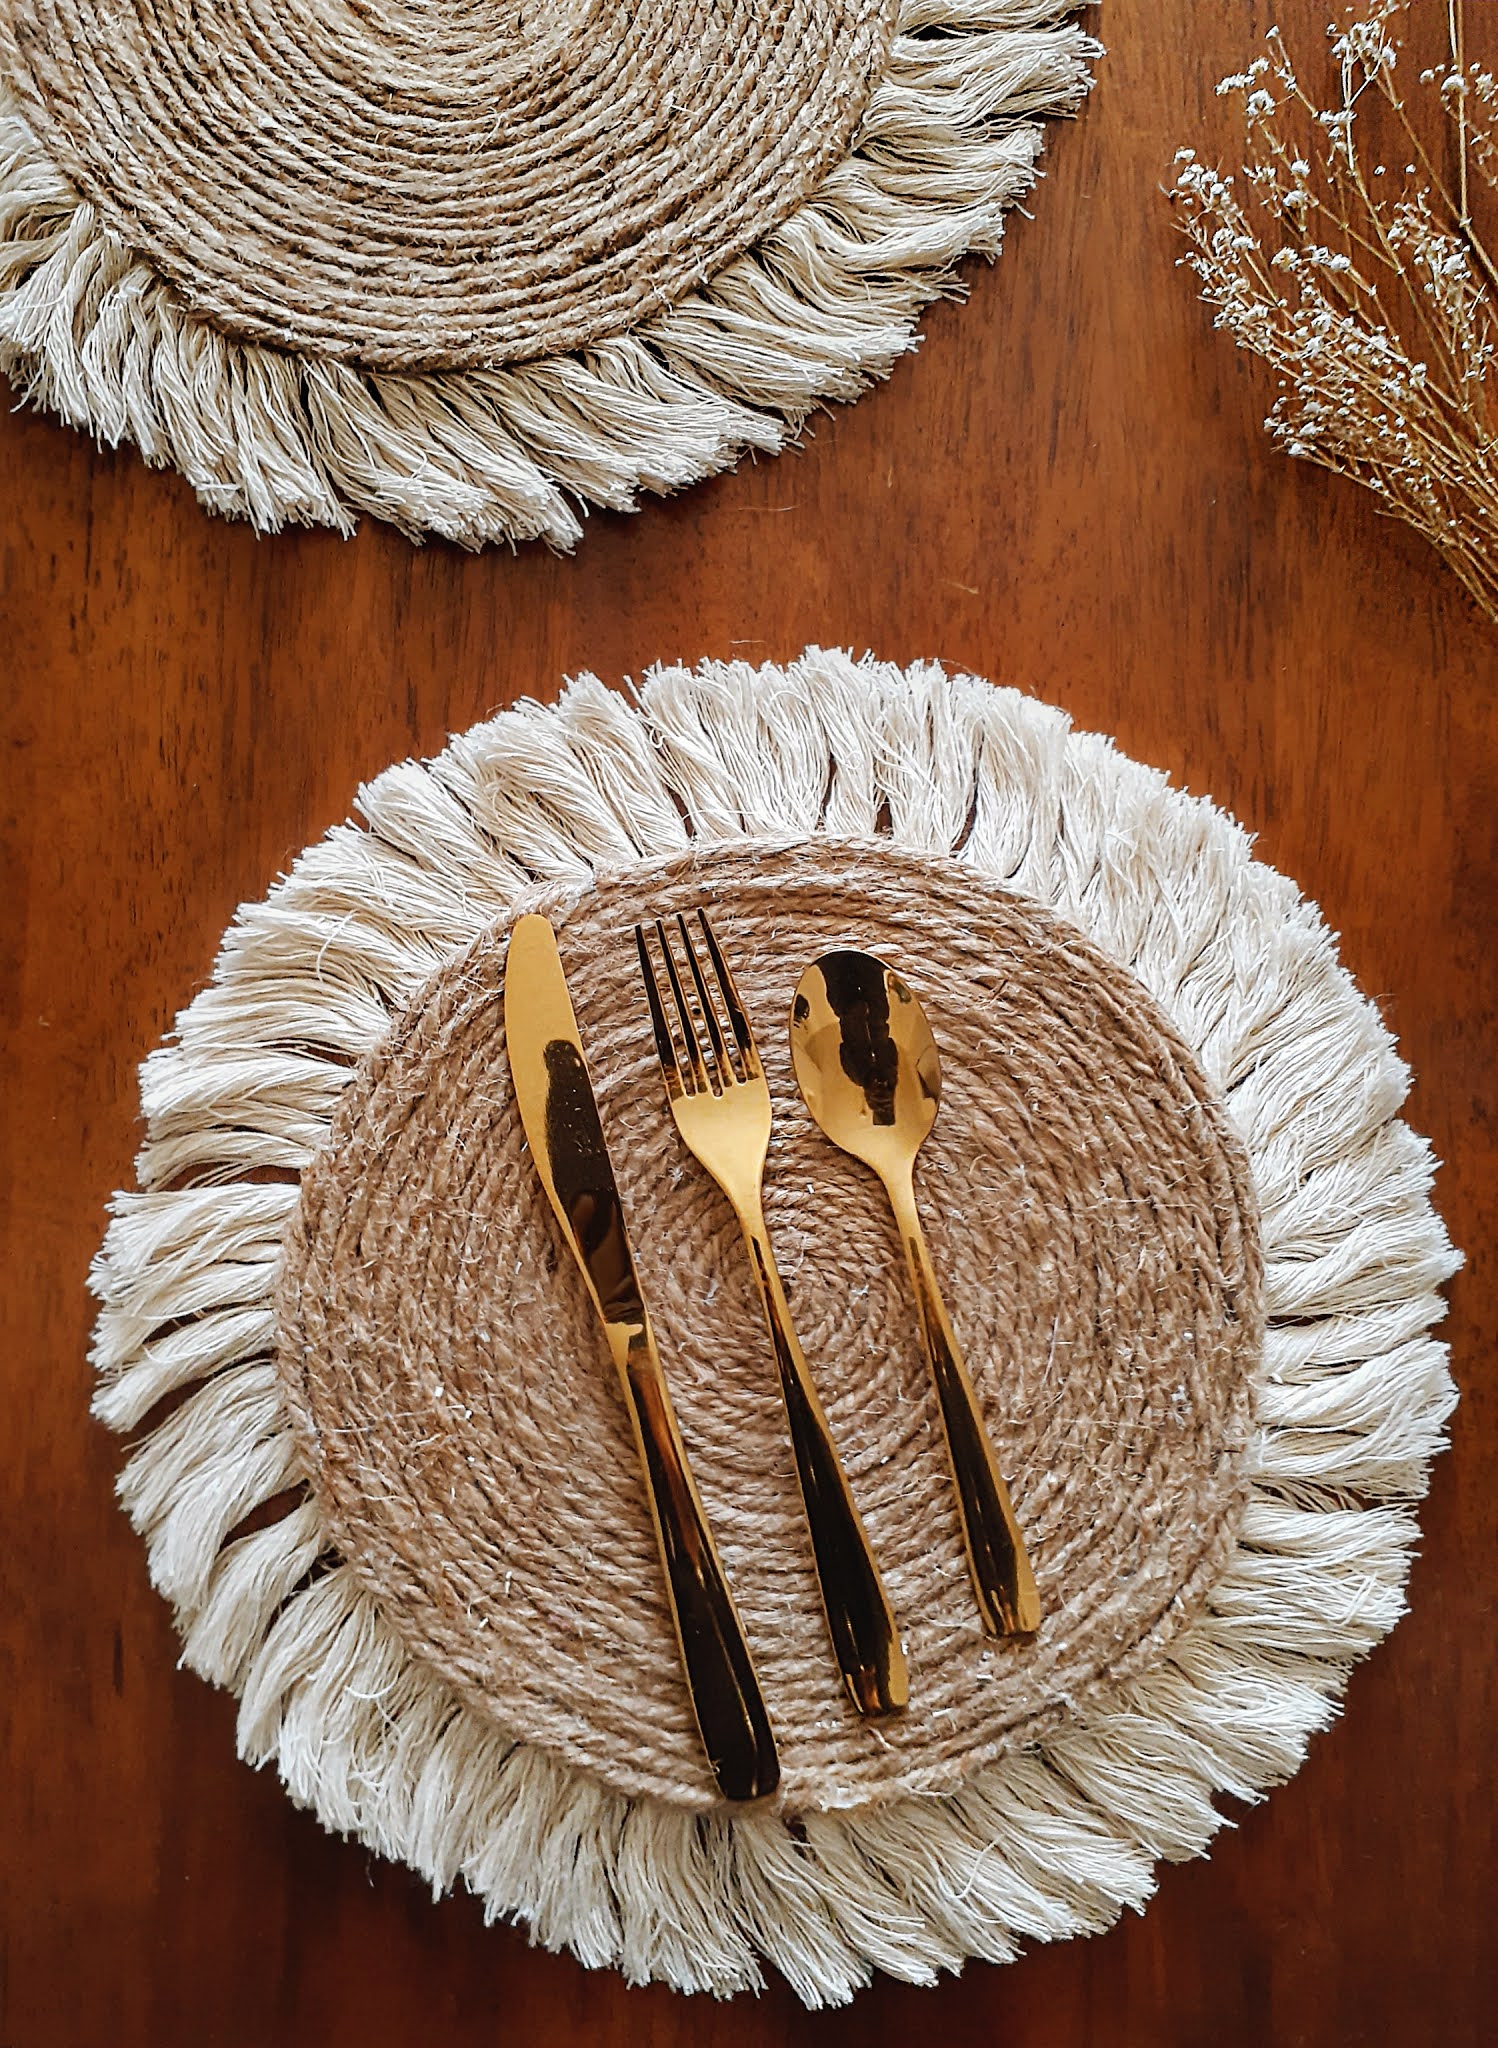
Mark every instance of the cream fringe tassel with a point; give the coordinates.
(819, 309)
(1353, 1398)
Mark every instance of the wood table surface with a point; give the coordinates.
(1067, 489)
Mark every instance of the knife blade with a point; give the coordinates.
(559, 1112)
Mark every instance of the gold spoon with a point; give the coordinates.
(868, 1070)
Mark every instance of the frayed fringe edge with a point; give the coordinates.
(1353, 1397)
(818, 310)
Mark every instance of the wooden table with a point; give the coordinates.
(1068, 489)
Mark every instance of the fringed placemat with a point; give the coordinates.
(1187, 1243)
(474, 269)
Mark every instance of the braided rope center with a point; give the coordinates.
(1091, 1218)
(432, 185)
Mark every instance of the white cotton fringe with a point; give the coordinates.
(823, 306)
(1353, 1394)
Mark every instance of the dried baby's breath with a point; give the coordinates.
(1345, 254)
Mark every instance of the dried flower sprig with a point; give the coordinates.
(1367, 288)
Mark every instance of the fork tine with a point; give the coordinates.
(709, 1013)
(665, 1044)
(737, 1017)
(684, 1011)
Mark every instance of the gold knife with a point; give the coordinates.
(560, 1115)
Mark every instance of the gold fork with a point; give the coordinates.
(721, 1102)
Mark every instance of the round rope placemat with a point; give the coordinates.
(473, 268)
(387, 1483)
(537, 180)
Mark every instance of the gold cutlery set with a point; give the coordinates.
(869, 1073)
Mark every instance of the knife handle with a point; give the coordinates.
(726, 1698)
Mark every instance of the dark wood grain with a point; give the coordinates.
(1068, 489)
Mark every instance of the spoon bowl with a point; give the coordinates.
(866, 1062)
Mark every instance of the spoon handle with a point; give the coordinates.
(1005, 1584)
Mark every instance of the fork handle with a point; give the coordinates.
(1008, 1598)
(726, 1698)
(859, 1619)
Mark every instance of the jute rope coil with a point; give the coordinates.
(1092, 1216)
(1203, 1021)
(433, 186)
(1095, 1225)
(474, 269)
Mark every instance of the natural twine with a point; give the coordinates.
(432, 186)
(1092, 1221)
